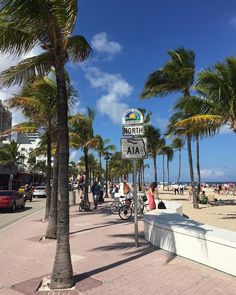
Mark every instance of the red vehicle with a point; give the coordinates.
(11, 199)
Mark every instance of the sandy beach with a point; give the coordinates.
(223, 216)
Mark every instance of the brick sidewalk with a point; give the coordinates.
(105, 260)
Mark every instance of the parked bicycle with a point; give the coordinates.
(116, 205)
(126, 211)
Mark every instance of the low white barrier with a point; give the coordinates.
(214, 247)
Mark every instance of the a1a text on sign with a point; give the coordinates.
(133, 130)
(134, 148)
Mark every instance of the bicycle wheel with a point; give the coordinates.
(125, 212)
(145, 209)
(115, 207)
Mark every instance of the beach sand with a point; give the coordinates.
(223, 216)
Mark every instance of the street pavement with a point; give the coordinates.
(7, 217)
(105, 260)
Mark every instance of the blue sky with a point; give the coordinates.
(130, 40)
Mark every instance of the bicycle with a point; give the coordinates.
(126, 211)
(84, 205)
(116, 205)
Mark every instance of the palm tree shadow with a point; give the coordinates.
(109, 223)
(143, 250)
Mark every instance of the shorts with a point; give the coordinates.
(96, 197)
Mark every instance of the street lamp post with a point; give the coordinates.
(106, 159)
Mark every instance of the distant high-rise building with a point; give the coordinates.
(5, 120)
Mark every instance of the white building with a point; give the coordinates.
(27, 143)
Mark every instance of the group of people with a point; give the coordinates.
(178, 189)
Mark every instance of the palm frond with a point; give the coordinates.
(200, 119)
(14, 40)
(78, 48)
(24, 127)
(27, 70)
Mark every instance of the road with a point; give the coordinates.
(7, 218)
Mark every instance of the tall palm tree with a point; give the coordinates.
(217, 102)
(193, 106)
(169, 153)
(155, 142)
(103, 147)
(10, 156)
(81, 136)
(37, 101)
(187, 134)
(119, 168)
(49, 24)
(178, 143)
(177, 75)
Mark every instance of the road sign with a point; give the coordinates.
(132, 116)
(133, 130)
(134, 148)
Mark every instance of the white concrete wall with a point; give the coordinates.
(214, 247)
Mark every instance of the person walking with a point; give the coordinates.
(96, 191)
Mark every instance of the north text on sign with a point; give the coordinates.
(133, 130)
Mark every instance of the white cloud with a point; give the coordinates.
(74, 156)
(212, 174)
(232, 21)
(101, 44)
(117, 89)
(225, 130)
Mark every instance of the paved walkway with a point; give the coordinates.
(105, 260)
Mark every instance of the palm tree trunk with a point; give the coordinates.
(179, 166)
(62, 274)
(49, 172)
(198, 166)
(86, 174)
(190, 160)
(155, 168)
(51, 232)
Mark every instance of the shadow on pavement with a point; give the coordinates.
(20, 210)
(141, 251)
(109, 223)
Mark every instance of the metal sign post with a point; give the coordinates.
(135, 203)
(133, 148)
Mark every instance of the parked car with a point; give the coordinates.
(39, 191)
(11, 199)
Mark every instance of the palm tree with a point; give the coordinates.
(155, 143)
(193, 106)
(49, 24)
(81, 136)
(37, 101)
(103, 147)
(217, 102)
(10, 156)
(119, 168)
(169, 153)
(178, 143)
(177, 75)
(187, 134)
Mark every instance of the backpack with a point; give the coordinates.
(161, 205)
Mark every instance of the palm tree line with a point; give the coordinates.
(207, 102)
(49, 24)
